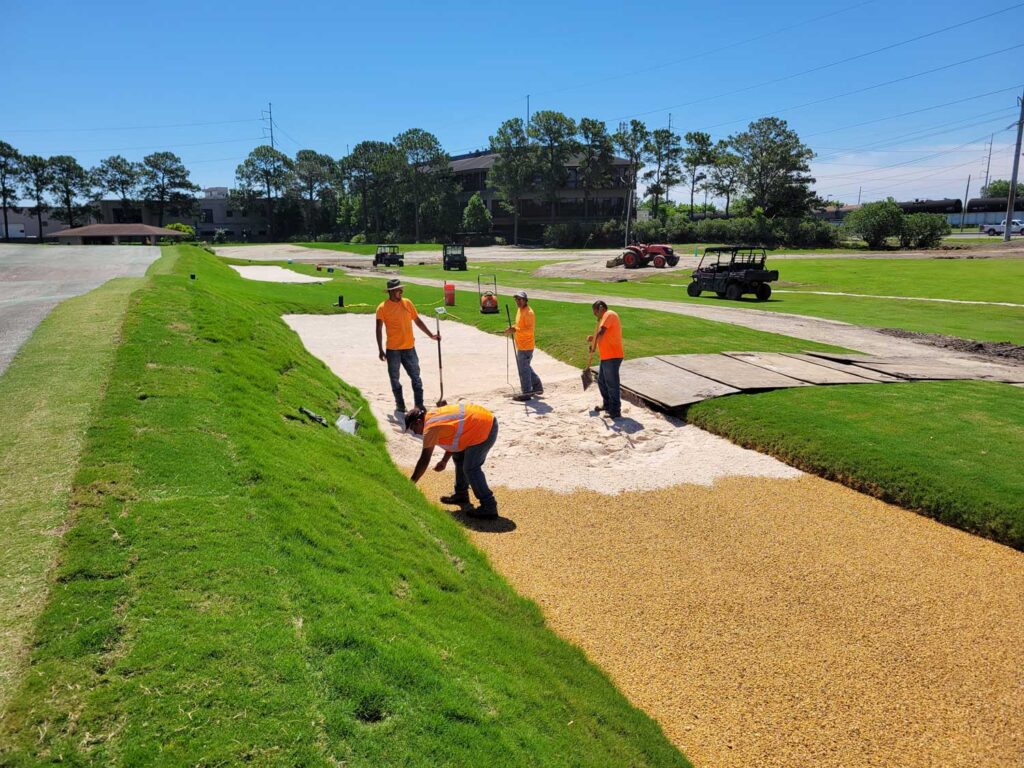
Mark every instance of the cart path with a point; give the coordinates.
(835, 332)
(779, 622)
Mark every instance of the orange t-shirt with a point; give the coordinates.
(456, 427)
(398, 317)
(609, 344)
(525, 323)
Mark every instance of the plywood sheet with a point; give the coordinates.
(948, 370)
(732, 372)
(841, 366)
(658, 381)
(811, 373)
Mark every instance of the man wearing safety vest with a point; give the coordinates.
(609, 347)
(529, 381)
(466, 432)
(396, 315)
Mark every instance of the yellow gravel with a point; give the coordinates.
(781, 622)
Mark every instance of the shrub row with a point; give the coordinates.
(753, 230)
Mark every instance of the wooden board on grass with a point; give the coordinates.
(732, 372)
(811, 373)
(846, 367)
(667, 385)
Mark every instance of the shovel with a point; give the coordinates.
(588, 374)
(440, 371)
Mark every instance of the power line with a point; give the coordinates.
(125, 127)
(166, 146)
(707, 52)
(831, 64)
(876, 85)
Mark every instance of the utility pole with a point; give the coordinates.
(629, 192)
(963, 211)
(527, 110)
(1011, 199)
(988, 166)
(269, 117)
(859, 190)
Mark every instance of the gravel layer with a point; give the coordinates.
(997, 349)
(780, 622)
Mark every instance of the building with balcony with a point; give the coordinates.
(471, 170)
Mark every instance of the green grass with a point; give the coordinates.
(951, 450)
(241, 585)
(45, 410)
(975, 280)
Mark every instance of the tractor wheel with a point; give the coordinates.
(673, 261)
(630, 260)
(733, 291)
(693, 289)
(763, 292)
(659, 262)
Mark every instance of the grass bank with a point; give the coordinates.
(48, 398)
(240, 585)
(950, 450)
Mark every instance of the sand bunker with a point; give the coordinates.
(276, 275)
(553, 443)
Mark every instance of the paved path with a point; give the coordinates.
(36, 278)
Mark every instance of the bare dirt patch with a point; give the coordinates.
(1003, 350)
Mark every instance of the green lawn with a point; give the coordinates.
(973, 279)
(241, 585)
(951, 450)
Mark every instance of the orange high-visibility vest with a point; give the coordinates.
(459, 427)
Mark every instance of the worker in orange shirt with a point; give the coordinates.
(396, 315)
(466, 432)
(529, 381)
(609, 346)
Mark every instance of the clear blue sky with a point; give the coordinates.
(94, 79)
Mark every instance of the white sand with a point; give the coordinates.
(553, 442)
(276, 275)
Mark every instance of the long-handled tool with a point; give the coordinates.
(440, 370)
(588, 375)
(508, 347)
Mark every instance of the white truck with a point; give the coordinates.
(1000, 228)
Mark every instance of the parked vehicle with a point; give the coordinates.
(732, 271)
(1000, 228)
(454, 257)
(657, 255)
(388, 256)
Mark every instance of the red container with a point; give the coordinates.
(449, 294)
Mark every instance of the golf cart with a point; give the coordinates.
(732, 271)
(388, 256)
(454, 257)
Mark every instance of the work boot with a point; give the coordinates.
(455, 498)
(487, 511)
(598, 408)
(522, 398)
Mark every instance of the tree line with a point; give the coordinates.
(404, 188)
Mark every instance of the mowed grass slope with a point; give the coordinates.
(951, 450)
(241, 585)
(45, 410)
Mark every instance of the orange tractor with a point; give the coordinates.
(640, 255)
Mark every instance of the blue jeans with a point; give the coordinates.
(608, 383)
(469, 469)
(408, 359)
(529, 381)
